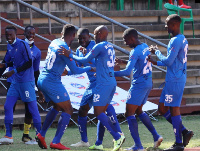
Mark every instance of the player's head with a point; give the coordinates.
(100, 34)
(130, 37)
(68, 33)
(83, 37)
(11, 32)
(172, 23)
(29, 34)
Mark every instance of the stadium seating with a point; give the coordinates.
(171, 9)
(120, 4)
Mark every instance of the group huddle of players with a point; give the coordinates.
(97, 59)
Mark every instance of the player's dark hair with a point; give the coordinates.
(130, 32)
(68, 29)
(11, 27)
(29, 26)
(83, 30)
(173, 18)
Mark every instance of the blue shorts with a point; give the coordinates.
(88, 95)
(53, 90)
(172, 94)
(138, 93)
(23, 90)
(103, 94)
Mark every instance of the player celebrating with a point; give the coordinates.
(50, 84)
(176, 63)
(86, 103)
(36, 55)
(22, 85)
(104, 55)
(140, 87)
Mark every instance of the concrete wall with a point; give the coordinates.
(97, 5)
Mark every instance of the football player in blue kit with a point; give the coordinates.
(140, 87)
(176, 63)
(85, 47)
(104, 55)
(50, 84)
(22, 84)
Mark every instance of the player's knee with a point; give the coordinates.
(82, 112)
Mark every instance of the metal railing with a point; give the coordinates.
(22, 28)
(113, 22)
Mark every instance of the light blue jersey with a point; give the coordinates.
(176, 60)
(142, 69)
(104, 55)
(55, 63)
(91, 63)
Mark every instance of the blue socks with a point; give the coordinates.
(147, 122)
(112, 115)
(168, 117)
(8, 108)
(33, 109)
(177, 124)
(82, 122)
(51, 115)
(62, 125)
(133, 128)
(100, 133)
(104, 119)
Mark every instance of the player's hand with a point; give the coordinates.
(2, 65)
(152, 49)
(93, 69)
(41, 97)
(150, 59)
(64, 51)
(83, 50)
(8, 74)
(65, 72)
(118, 61)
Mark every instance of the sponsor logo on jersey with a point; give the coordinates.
(113, 103)
(71, 59)
(78, 95)
(78, 76)
(76, 85)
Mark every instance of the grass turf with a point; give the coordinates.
(72, 136)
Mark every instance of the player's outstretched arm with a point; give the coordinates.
(172, 54)
(91, 55)
(119, 61)
(73, 68)
(129, 67)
